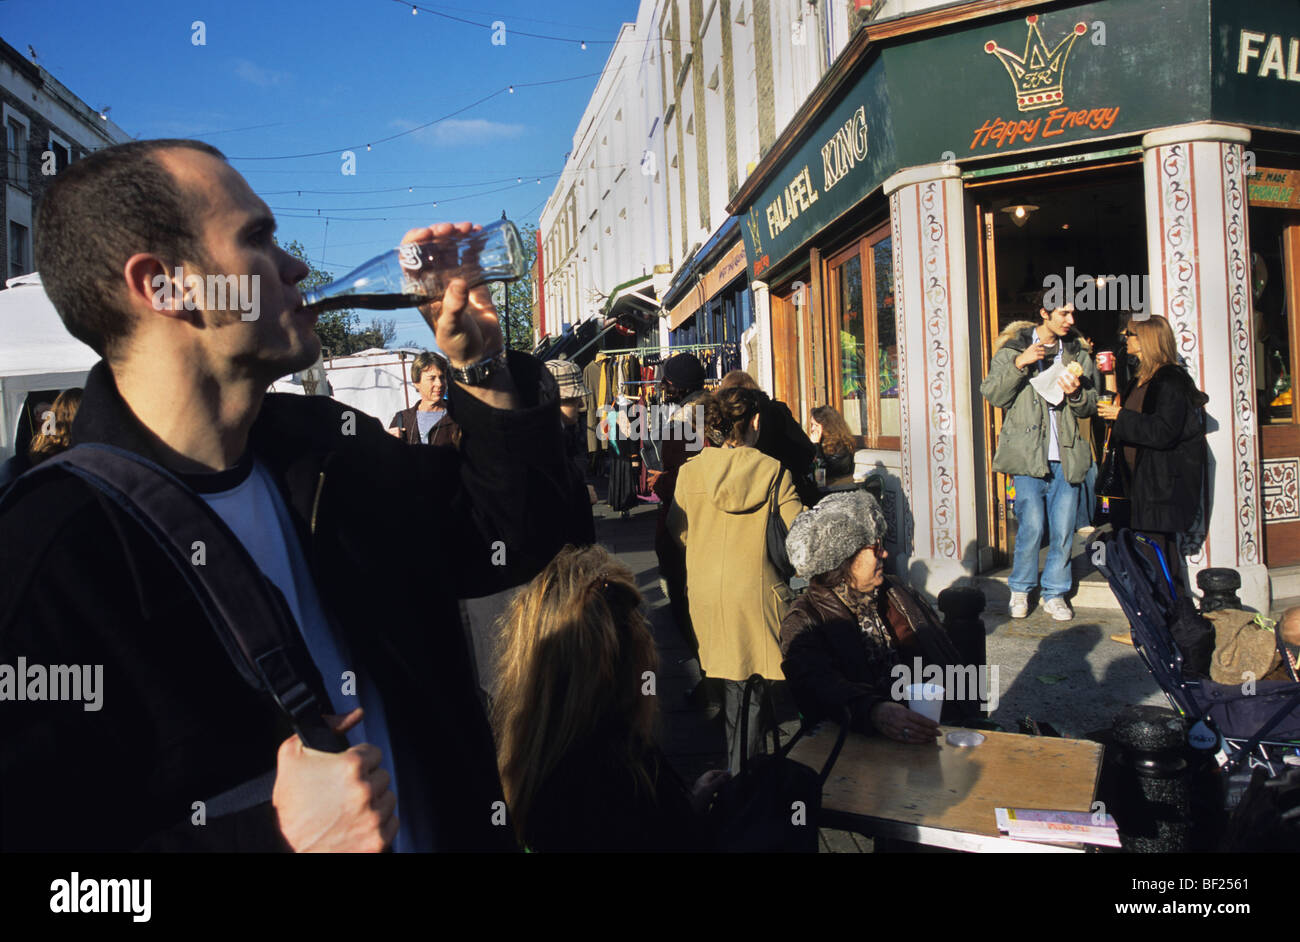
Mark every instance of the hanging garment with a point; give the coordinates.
(591, 418)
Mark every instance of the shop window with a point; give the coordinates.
(861, 313)
(1275, 257)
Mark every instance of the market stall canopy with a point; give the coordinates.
(374, 381)
(36, 351)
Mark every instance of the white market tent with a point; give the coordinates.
(374, 381)
(36, 352)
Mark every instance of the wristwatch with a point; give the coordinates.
(478, 374)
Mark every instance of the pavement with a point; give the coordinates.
(1069, 674)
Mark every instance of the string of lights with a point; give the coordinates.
(520, 181)
(509, 89)
(580, 43)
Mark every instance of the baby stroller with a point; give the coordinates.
(1243, 730)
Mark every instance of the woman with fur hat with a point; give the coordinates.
(845, 636)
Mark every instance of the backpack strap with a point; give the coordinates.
(249, 614)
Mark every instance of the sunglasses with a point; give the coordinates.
(1129, 333)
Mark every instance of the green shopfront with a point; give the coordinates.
(1143, 153)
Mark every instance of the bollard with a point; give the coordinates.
(1219, 589)
(1154, 812)
(961, 607)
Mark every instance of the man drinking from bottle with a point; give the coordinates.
(185, 753)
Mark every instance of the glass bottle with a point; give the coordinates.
(417, 273)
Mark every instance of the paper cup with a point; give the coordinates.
(926, 699)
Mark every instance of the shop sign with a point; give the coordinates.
(1256, 51)
(1051, 77)
(842, 159)
(1275, 188)
(715, 279)
(727, 268)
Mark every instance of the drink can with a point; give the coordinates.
(1105, 361)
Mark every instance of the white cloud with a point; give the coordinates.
(256, 75)
(457, 132)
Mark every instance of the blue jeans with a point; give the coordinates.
(1057, 500)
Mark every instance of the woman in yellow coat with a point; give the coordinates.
(720, 511)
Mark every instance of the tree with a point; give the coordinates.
(520, 294)
(341, 332)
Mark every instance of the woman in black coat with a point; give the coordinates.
(1161, 433)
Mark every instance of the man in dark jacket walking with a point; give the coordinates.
(180, 753)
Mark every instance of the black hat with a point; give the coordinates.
(685, 371)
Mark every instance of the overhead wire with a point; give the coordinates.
(428, 124)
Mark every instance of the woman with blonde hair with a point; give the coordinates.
(1161, 431)
(575, 721)
(54, 433)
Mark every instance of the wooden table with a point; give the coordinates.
(944, 795)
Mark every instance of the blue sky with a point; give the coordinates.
(280, 78)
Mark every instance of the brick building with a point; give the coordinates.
(46, 127)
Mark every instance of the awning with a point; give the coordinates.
(699, 261)
(637, 292)
(721, 274)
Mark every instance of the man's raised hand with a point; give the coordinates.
(464, 322)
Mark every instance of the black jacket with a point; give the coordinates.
(1169, 475)
(838, 463)
(83, 584)
(593, 802)
(780, 437)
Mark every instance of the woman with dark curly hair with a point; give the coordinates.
(735, 594)
(835, 444)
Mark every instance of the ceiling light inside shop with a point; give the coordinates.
(1020, 213)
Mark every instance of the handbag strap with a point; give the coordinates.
(249, 614)
(757, 680)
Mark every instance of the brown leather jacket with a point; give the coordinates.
(826, 664)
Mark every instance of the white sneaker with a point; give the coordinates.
(1019, 604)
(1058, 608)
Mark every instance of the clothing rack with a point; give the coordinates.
(661, 350)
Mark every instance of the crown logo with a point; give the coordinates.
(1038, 73)
(755, 228)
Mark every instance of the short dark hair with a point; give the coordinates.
(1038, 302)
(100, 211)
(425, 360)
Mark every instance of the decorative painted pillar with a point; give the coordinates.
(1200, 270)
(763, 318)
(939, 495)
